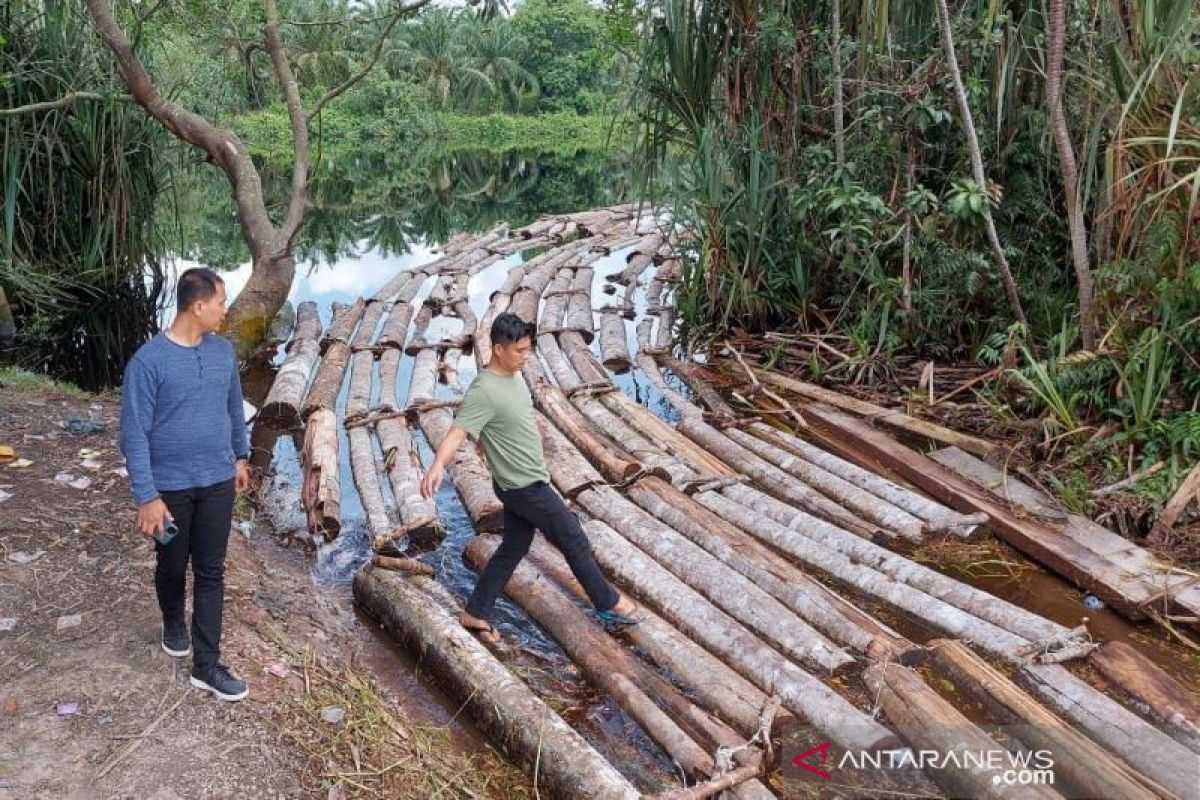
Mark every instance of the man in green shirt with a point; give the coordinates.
(498, 410)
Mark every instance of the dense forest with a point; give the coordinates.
(1012, 186)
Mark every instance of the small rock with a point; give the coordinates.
(5, 495)
(91, 463)
(8, 624)
(21, 463)
(1092, 602)
(67, 708)
(12, 706)
(69, 621)
(21, 557)
(278, 669)
(333, 715)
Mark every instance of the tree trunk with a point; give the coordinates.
(839, 130)
(721, 635)
(1090, 771)
(930, 723)
(964, 107)
(1070, 171)
(249, 319)
(8, 327)
(414, 609)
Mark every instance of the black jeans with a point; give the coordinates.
(538, 506)
(203, 516)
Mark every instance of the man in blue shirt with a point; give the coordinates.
(183, 433)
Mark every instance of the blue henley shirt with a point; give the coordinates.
(182, 424)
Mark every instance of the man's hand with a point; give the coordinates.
(153, 517)
(242, 482)
(432, 480)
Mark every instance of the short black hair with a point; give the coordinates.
(194, 285)
(509, 328)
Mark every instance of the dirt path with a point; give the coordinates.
(90, 706)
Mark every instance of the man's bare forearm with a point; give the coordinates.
(449, 446)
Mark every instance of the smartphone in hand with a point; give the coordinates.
(169, 531)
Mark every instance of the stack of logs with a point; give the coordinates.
(730, 532)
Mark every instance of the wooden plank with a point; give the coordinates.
(1043, 543)
(1167, 700)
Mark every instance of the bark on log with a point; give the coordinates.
(939, 517)
(409, 565)
(579, 306)
(321, 493)
(864, 504)
(650, 368)
(631, 441)
(573, 472)
(467, 471)
(736, 595)
(1155, 754)
(693, 376)
(977, 602)
(714, 685)
(664, 333)
(395, 327)
(616, 467)
(613, 345)
(684, 731)
(502, 705)
(341, 326)
(581, 358)
(1167, 700)
(930, 723)
(750, 558)
(669, 438)
(1078, 760)
(418, 517)
(723, 636)
(327, 384)
(887, 416)
(771, 479)
(923, 608)
(282, 404)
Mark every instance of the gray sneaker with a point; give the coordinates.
(175, 639)
(221, 682)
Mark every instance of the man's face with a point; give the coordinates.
(211, 312)
(512, 355)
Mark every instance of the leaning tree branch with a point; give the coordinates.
(375, 53)
(291, 93)
(67, 99)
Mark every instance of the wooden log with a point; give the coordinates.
(664, 333)
(649, 367)
(1077, 760)
(714, 685)
(580, 355)
(730, 591)
(890, 417)
(467, 471)
(693, 376)
(363, 468)
(723, 636)
(1187, 491)
(613, 346)
(714, 787)
(922, 607)
(395, 328)
(321, 493)
(579, 306)
(930, 723)
(418, 516)
(282, 404)
(631, 441)
(1152, 752)
(977, 602)
(864, 504)
(514, 718)
(750, 558)
(615, 466)
(939, 517)
(327, 383)
(773, 480)
(687, 733)
(408, 565)
(574, 473)
(1091, 571)
(639, 260)
(1167, 700)
(345, 320)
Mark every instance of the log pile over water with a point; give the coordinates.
(769, 566)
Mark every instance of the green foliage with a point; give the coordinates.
(566, 52)
(24, 381)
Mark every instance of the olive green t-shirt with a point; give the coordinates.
(498, 411)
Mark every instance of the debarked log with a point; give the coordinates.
(344, 321)
(932, 724)
(282, 404)
(519, 722)
(321, 493)
(418, 516)
(614, 347)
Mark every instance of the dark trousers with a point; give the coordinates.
(203, 516)
(538, 506)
